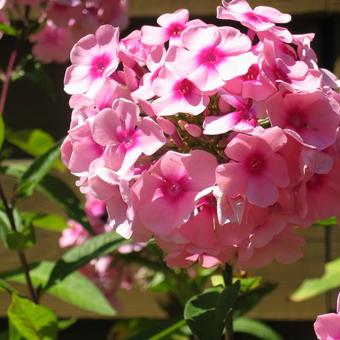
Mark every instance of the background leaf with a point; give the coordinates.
(32, 321)
(34, 142)
(255, 328)
(2, 130)
(75, 289)
(77, 257)
(313, 287)
(37, 171)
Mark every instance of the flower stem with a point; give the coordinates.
(5, 86)
(21, 254)
(228, 281)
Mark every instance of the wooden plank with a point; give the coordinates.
(149, 8)
(136, 303)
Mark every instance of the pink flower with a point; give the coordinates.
(79, 149)
(308, 117)
(327, 326)
(94, 59)
(242, 120)
(125, 136)
(171, 27)
(260, 19)
(285, 247)
(74, 235)
(52, 43)
(165, 195)
(256, 170)
(211, 55)
(177, 94)
(2, 3)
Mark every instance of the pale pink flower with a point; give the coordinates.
(171, 27)
(125, 135)
(165, 195)
(327, 326)
(79, 149)
(94, 58)
(2, 4)
(308, 117)
(211, 55)
(52, 43)
(177, 94)
(243, 119)
(285, 247)
(260, 19)
(256, 170)
(64, 13)
(74, 235)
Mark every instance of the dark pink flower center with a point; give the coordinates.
(126, 138)
(184, 88)
(175, 30)
(255, 164)
(99, 64)
(173, 189)
(210, 56)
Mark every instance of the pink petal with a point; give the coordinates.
(151, 137)
(152, 35)
(179, 16)
(273, 14)
(261, 192)
(104, 127)
(193, 37)
(215, 125)
(231, 179)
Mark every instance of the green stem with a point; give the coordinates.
(21, 253)
(228, 281)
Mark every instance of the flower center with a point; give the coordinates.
(210, 56)
(184, 88)
(255, 164)
(125, 137)
(297, 121)
(175, 30)
(99, 64)
(174, 189)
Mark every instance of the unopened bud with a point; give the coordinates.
(167, 126)
(193, 130)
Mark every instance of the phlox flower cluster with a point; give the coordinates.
(61, 23)
(106, 272)
(327, 326)
(216, 142)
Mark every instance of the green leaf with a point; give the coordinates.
(250, 299)
(34, 142)
(50, 222)
(56, 190)
(78, 256)
(313, 287)
(37, 171)
(22, 237)
(32, 321)
(255, 328)
(75, 289)
(331, 221)
(2, 130)
(160, 330)
(65, 324)
(8, 29)
(5, 287)
(63, 195)
(206, 313)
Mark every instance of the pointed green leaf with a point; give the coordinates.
(37, 171)
(255, 328)
(50, 222)
(34, 142)
(206, 313)
(78, 256)
(32, 321)
(8, 29)
(313, 287)
(75, 289)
